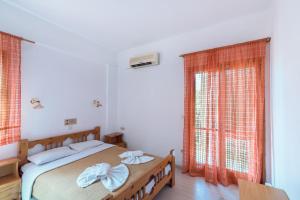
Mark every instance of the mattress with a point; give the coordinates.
(60, 182)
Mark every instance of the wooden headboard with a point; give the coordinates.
(53, 142)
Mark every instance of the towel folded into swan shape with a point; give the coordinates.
(134, 157)
(112, 178)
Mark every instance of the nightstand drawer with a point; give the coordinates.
(10, 191)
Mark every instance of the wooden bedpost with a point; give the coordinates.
(173, 166)
(23, 151)
(97, 133)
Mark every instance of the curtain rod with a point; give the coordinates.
(268, 39)
(21, 38)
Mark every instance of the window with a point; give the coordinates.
(224, 113)
(201, 129)
(236, 155)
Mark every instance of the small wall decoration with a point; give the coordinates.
(36, 103)
(97, 103)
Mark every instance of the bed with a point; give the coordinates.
(57, 180)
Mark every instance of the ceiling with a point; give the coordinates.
(116, 25)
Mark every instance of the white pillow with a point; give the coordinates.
(80, 146)
(27, 166)
(51, 155)
(36, 149)
(90, 137)
(67, 142)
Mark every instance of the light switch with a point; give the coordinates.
(69, 122)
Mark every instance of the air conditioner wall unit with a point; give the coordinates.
(146, 60)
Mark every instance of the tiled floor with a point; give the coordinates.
(187, 187)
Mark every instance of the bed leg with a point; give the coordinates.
(172, 181)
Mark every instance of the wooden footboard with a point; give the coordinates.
(138, 189)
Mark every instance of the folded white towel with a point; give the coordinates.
(112, 178)
(134, 157)
(137, 160)
(131, 154)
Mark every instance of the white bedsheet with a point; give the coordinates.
(32, 171)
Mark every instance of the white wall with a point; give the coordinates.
(66, 87)
(112, 97)
(151, 100)
(64, 71)
(285, 95)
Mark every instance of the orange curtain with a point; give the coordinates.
(10, 89)
(224, 122)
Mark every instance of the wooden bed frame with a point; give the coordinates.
(136, 189)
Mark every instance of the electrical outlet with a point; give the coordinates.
(69, 122)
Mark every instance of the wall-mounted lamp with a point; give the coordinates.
(36, 103)
(97, 103)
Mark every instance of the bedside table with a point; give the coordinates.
(10, 182)
(116, 139)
